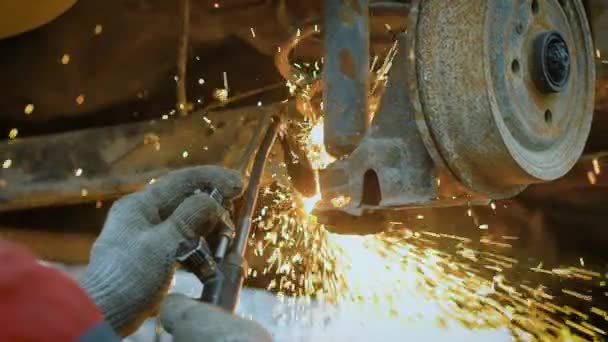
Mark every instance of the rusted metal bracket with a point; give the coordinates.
(390, 169)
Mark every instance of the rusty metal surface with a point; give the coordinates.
(465, 116)
(483, 116)
(102, 163)
(345, 74)
(390, 170)
(392, 151)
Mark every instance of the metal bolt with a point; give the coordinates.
(552, 69)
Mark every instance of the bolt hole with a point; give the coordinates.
(519, 28)
(515, 66)
(535, 6)
(548, 116)
(371, 189)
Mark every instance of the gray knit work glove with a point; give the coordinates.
(190, 321)
(133, 260)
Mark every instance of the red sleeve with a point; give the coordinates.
(40, 303)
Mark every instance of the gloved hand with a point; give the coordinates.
(133, 260)
(189, 320)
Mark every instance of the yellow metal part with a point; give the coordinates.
(21, 16)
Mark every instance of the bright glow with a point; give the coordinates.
(396, 293)
(13, 133)
(315, 148)
(309, 203)
(29, 108)
(80, 99)
(316, 134)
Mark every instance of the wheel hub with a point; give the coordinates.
(505, 89)
(553, 60)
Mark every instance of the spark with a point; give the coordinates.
(185, 154)
(78, 172)
(252, 32)
(591, 177)
(374, 61)
(7, 163)
(415, 281)
(483, 227)
(309, 203)
(201, 81)
(221, 95)
(577, 295)
(80, 99)
(29, 109)
(84, 192)
(225, 76)
(12, 134)
(313, 143)
(65, 59)
(600, 312)
(98, 29)
(596, 166)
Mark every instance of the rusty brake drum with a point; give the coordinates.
(503, 89)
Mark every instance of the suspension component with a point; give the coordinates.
(484, 98)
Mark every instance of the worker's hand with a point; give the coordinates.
(189, 321)
(133, 260)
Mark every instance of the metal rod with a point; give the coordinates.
(256, 141)
(244, 225)
(345, 74)
(309, 86)
(225, 287)
(222, 247)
